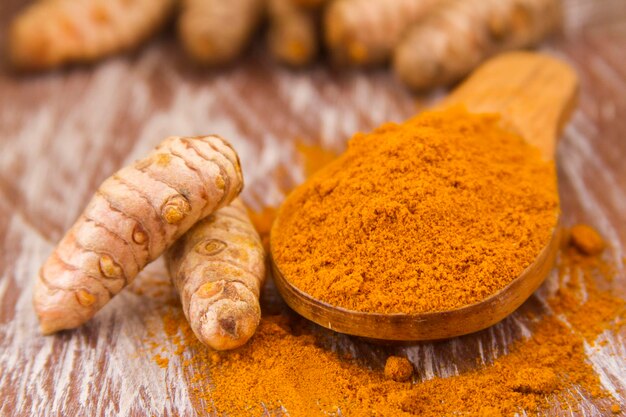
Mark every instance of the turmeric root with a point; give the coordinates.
(459, 35)
(293, 32)
(56, 32)
(135, 215)
(215, 32)
(309, 4)
(364, 32)
(218, 268)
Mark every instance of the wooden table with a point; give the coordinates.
(62, 133)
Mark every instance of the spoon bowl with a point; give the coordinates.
(535, 94)
(423, 326)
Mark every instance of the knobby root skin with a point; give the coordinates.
(455, 38)
(293, 33)
(218, 268)
(365, 32)
(134, 216)
(215, 32)
(53, 33)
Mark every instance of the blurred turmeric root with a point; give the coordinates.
(309, 4)
(293, 32)
(53, 33)
(215, 32)
(365, 32)
(456, 37)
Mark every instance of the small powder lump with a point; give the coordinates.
(586, 239)
(398, 369)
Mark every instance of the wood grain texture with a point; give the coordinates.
(62, 133)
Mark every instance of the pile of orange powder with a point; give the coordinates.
(432, 214)
(293, 367)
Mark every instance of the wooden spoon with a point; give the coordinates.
(535, 94)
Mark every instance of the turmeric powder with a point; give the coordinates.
(290, 368)
(398, 368)
(429, 215)
(586, 239)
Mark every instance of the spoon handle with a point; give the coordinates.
(534, 93)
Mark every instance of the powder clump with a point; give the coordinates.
(429, 215)
(398, 369)
(586, 239)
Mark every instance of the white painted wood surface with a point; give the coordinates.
(62, 133)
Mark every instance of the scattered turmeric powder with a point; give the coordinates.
(398, 369)
(433, 214)
(573, 300)
(134, 216)
(288, 368)
(262, 222)
(161, 361)
(218, 268)
(314, 157)
(534, 380)
(52, 33)
(456, 37)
